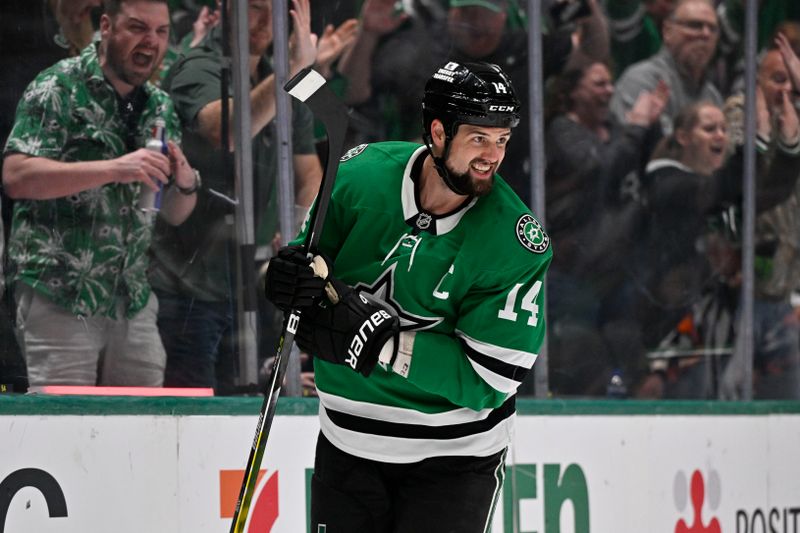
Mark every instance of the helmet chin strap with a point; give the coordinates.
(441, 168)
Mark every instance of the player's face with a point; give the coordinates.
(704, 144)
(135, 41)
(475, 155)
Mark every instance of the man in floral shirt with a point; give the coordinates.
(76, 165)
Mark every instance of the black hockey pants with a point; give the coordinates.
(438, 495)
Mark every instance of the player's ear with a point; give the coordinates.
(437, 132)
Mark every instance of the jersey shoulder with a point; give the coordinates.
(507, 231)
(377, 154)
(374, 166)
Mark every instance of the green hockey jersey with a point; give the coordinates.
(470, 283)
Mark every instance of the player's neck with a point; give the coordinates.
(434, 195)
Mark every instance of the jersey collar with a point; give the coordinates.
(413, 214)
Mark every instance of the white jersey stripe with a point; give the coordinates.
(496, 381)
(506, 355)
(409, 203)
(403, 450)
(400, 415)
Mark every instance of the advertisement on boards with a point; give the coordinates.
(566, 474)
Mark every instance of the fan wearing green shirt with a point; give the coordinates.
(76, 165)
(192, 264)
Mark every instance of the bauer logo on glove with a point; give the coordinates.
(362, 336)
(352, 332)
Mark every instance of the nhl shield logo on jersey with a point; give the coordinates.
(531, 235)
(352, 152)
(424, 220)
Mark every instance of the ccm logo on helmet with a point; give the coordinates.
(501, 108)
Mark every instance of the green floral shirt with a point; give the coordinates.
(87, 252)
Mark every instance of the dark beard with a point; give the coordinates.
(464, 182)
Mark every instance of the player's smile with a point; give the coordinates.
(482, 168)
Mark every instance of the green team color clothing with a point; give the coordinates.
(87, 252)
(193, 259)
(470, 283)
(635, 36)
(771, 13)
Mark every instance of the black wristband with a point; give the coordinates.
(188, 191)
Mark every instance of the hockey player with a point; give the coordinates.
(431, 322)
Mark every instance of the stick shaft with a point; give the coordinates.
(264, 424)
(310, 87)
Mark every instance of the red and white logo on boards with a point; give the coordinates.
(264, 506)
(695, 493)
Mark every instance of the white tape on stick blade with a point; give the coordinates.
(307, 86)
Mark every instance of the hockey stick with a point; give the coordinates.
(307, 86)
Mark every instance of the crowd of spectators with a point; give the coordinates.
(644, 139)
(192, 264)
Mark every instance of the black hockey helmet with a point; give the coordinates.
(470, 93)
(467, 93)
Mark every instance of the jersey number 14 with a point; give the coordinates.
(528, 304)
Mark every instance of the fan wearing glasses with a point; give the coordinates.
(690, 36)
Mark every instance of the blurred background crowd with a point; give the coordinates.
(644, 130)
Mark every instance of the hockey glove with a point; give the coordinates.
(352, 332)
(293, 281)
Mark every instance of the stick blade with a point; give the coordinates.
(307, 82)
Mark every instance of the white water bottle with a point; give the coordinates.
(150, 200)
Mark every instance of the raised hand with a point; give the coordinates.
(206, 20)
(649, 105)
(380, 16)
(763, 122)
(790, 59)
(788, 123)
(660, 98)
(334, 41)
(302, 43)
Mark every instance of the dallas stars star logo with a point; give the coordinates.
(383, 288)
(531, 235)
